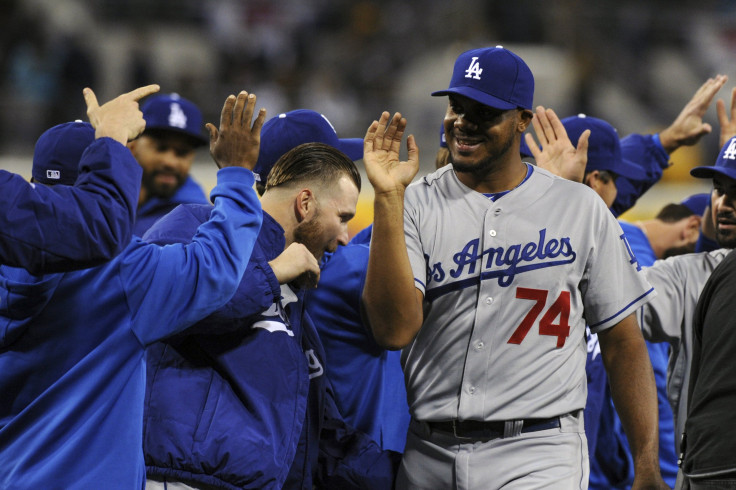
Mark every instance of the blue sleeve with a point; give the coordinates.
(55, 229)
(185, 283)
(350, 459)
(647, 152)
(258, 289)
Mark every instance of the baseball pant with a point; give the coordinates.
(551, 458)
(165, 485)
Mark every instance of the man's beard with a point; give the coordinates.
(726, 239)
(309, 233)
(481, 167)
(157, 190)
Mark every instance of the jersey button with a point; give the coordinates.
(489, 300)
(492, 232)
(497, 211)
(479, 345)
(471, 390)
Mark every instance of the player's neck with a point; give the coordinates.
(499, 178)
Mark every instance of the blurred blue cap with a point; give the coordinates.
(58, 151)
(697, 203)
(725, 165)
(495, 77)
(172, 112)
(291, 129)
(604, 147)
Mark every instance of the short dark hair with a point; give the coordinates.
(312, 162)
(672, 213)
(606, 176)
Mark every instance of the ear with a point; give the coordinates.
(525, 119)
(591, 179)
(691, 228)
(304, 204)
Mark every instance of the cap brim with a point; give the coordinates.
(352, 147)
(708, 172)
(631, 170)
(477, 96)
(199, 139)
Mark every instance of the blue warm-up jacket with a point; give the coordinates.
(54, 229)
(241, 400)
(72, 372)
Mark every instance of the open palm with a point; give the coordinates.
(385, 171)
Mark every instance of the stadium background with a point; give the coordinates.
(632, 63)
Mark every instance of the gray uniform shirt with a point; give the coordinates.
(508, 287)
(669, 318)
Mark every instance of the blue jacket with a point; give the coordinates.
(647, 152)
(377, 404)
(72, 371)
(241, 400)
(53, 229)
(153, 209)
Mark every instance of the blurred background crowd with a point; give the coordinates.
(632, 63)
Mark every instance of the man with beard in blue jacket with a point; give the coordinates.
(89, 219)
(72, 373)
(242, 400)
(165, 151)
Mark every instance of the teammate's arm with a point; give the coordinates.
(392, 303)
(634, 394)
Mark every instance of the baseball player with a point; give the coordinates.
(79, 226)
(485, 273)
(165, 152)
(72, 371)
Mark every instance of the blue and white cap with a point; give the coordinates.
(495, 77)
(291, 129)
(725, 165)
(604, 146)
(172, 112)
(58, 151)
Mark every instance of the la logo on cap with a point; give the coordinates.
(177, 118)
(474, 70)
(53, 174)
(730, 152)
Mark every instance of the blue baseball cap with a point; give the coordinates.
(291, 129)
(172, 112)
(725, 165)
(697, 203)
(604, 147)
(495, 77)
(58, 151)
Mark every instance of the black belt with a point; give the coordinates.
(478, 430)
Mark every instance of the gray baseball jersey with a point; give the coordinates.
(508, 288)
(669, 318)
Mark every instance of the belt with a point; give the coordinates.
(477, 430)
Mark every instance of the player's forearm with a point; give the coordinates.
(389, 295)
(634, 393)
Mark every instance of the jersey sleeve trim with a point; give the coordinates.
(625, 309)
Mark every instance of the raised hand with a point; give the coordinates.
(296, 262)
(558, 155)
(120, 118)
(237, 142)
(728, 124)
(688, 127)
(381, 154)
